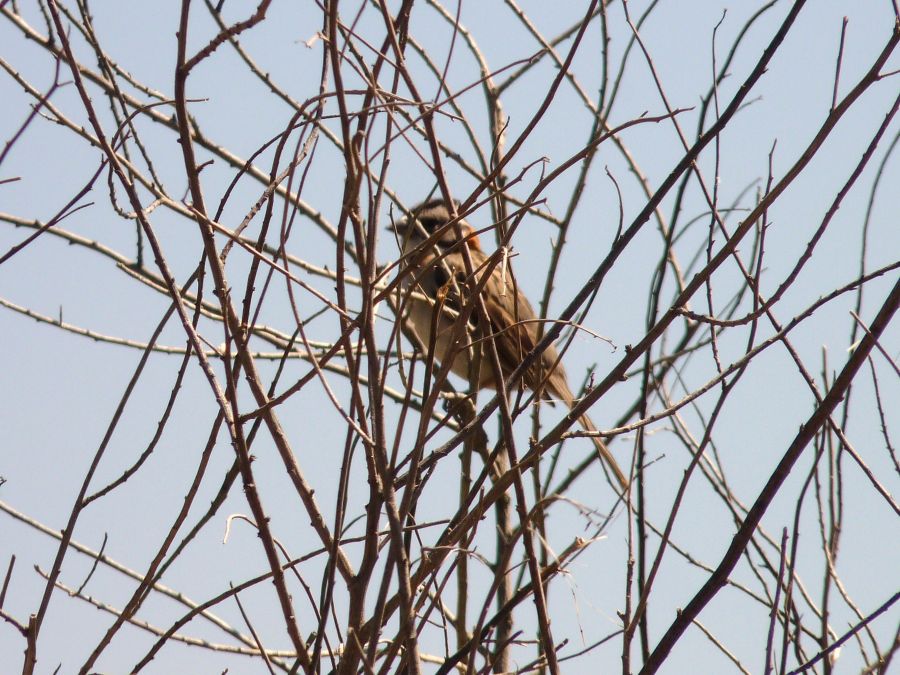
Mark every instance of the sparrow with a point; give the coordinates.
(433, 273)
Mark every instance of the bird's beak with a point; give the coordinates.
(398, 226)
(402, 229)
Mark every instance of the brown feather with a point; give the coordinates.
(440, 273)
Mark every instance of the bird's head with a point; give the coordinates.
(429, 218)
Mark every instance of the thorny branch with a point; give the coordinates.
(259, 171)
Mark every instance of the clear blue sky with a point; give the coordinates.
(58, 391)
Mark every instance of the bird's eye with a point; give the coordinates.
(429, 224)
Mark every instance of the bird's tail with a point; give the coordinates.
(610, 466)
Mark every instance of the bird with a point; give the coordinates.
(433, 273)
